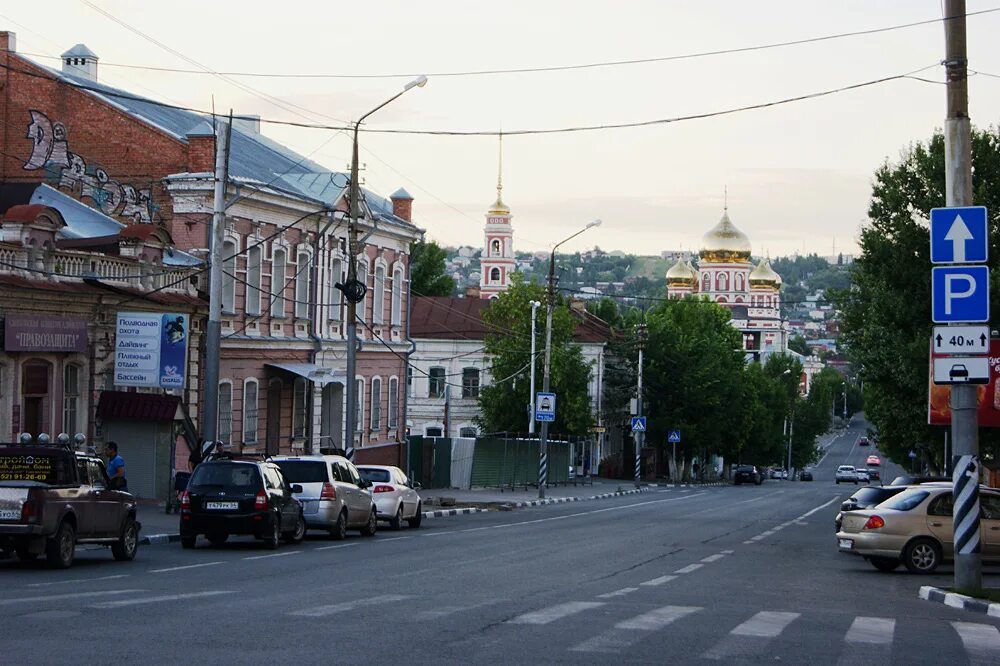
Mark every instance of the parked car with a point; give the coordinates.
(229, 495)
(806, 475)
(53, 498)
(395, 496)
(873, 461)
(874, 474)
(747, 474)
(914, 528)
(866, 498)
(913, 479)
(847, 474)
(334, 495)
(862, 474)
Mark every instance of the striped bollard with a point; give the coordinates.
(638, 467)
(543, 470)
(965, 512)
(350, 453)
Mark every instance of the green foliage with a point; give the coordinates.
(427, 270)
(798, 344)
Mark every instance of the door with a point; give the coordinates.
(408, 494)
(360, 500)
(273, 444)
(940, 523)
(989, 506)
(347, 489)
(274, 486)
(107, 509)
(331, 426)
(85, 502)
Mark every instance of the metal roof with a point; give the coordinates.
(79, 51)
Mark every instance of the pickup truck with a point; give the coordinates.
(53, 498)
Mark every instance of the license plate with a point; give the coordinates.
(845, 544)
(9, 514)
(222, 505)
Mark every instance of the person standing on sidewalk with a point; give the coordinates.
(116, 467)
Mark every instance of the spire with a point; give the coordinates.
(500, 165)
(725, 198)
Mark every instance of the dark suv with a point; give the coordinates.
(747, 474)
(234, 495)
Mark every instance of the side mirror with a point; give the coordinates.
(296, 488)
(416, 485)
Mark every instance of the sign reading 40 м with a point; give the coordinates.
(151, 349)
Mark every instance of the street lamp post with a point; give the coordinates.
(543, 445)
(531, 398)
(354, 291)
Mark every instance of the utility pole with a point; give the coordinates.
(845, 402)
(531, 404)
(213, 332)
(958, 192)
(543, 444)
(639, 435)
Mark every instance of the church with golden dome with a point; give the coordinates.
(726, 274)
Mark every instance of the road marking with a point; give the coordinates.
(765, 624)
(557, 612)
(981, 641)
(658, 581)
(393, 539)
(427, 534)
(343, 607)
(265, 557)
(727, 552)
(626, 633)
(155, 600)
(713, 558)
(189, 566)
(877, 630)
(339, 545)
(689, 568)
(617, 593)
(77, 580)
(71, 595)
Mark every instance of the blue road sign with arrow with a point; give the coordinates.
(958, 235)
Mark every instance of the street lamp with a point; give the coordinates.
(354, 291)
(531, 398)
(543, 449)
(787, 430)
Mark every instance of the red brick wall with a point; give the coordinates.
(388, 454)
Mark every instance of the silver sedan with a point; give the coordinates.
(395, 495)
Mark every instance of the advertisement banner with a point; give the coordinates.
(938, 406)
(44, 333)
(151, 350)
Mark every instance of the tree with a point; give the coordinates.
(427, 270)
(798, 344)
(885, 324)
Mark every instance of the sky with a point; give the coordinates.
(798, 175)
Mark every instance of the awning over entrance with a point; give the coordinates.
(312, 372)
(118, 405)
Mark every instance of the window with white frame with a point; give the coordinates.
(378, 295)
(397, 296)
(376, 408)
(225, 430)
(467, 431)
(393, 402)
(229, 276)
(71, 398)
(494, 275)
(250, 411)
(302, 285)
(336, 296)
(435, 383)
(278, 262)
(253, 280)
(359, 406)
(470, 382)
(299, 408)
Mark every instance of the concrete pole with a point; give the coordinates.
(958, 192)
(639, 435)
(543, 445)
(531, 398)
(213, 331)
(351, 386)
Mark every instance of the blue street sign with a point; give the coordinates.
(958, 235)
(545, 407)
(912, 454)
(638, 424)
(674, 437)
(960, 294)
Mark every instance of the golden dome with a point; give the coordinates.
(763, 276)
(499, 207)
(724, 243)
(681, 274)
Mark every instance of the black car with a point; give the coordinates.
(227, 496)
(911, 479)
(866, 498)
(806, 475)
(747, 474)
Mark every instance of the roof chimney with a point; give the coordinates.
(8, 41)
(402, 205)
(248, 123)
(81, 62)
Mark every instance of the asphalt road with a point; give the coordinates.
(677, 575)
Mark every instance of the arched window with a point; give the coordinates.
(435, 383)
(393, 421)
(722, 282)
(229, 276)
(336, 275)
(376, 408)
(378, 296)
(299, 407)
(397, 296)
(359, 411)
(739, 282)
(363, 279)
(253, 280)
(278, 262)
(71, 399)
(467, 431)
(225, 429)
(303, 281)
(706, 282)
(250, 411)
(494, 275)
(496, 252)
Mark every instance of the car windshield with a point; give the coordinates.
(905, 501)
(374, 475)
(41, 467)
(303, 471)
(845, 468)
(870, 496)
(238, 476)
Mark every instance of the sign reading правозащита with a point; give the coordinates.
(151, 349)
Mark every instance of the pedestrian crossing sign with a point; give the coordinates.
(674, 437)
(638, 424)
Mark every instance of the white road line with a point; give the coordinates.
(428, 534)
(392, 539)
(77, 580)
(981, 641)
(727, 552)
(557, 612)
(266, 557)
(713, 558)
(339, 545)
(343, 607)
(871, 630)
(617, 593)
(658, 581)
(820, 507)
(189, 566)
(657, 619)
(71, 595)
(765, 624)
(159, 599)
(689, 568)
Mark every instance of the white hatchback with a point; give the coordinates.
(847, 474)
(395, 496)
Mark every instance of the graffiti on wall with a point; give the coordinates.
(50, 150)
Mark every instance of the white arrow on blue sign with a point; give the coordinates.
(958, 235)
(674, 437)
(638, 424)
(960, 294)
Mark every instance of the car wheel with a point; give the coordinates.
(273, 538)
(125, 548)
(922, 556)
(397, 522)
(838, 483)
(417, 517)
(885, 564)
(299, 533)
(217, 538)
(339, 530)
(60, 549)
(187, 543)
(371, 526)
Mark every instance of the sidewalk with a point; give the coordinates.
(156, 522)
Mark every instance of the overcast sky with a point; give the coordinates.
(798, 175)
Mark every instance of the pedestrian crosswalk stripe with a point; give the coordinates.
(628, 632)
(871, 630)
(981, 641)
(553, 613)
(766, 624)
(658, 581)
(344, 606)
(158, 599)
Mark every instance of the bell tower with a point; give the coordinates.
(497, 263)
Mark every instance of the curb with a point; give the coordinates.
(960, 601)
(441, 513)
(562, 500)
(156, 539)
